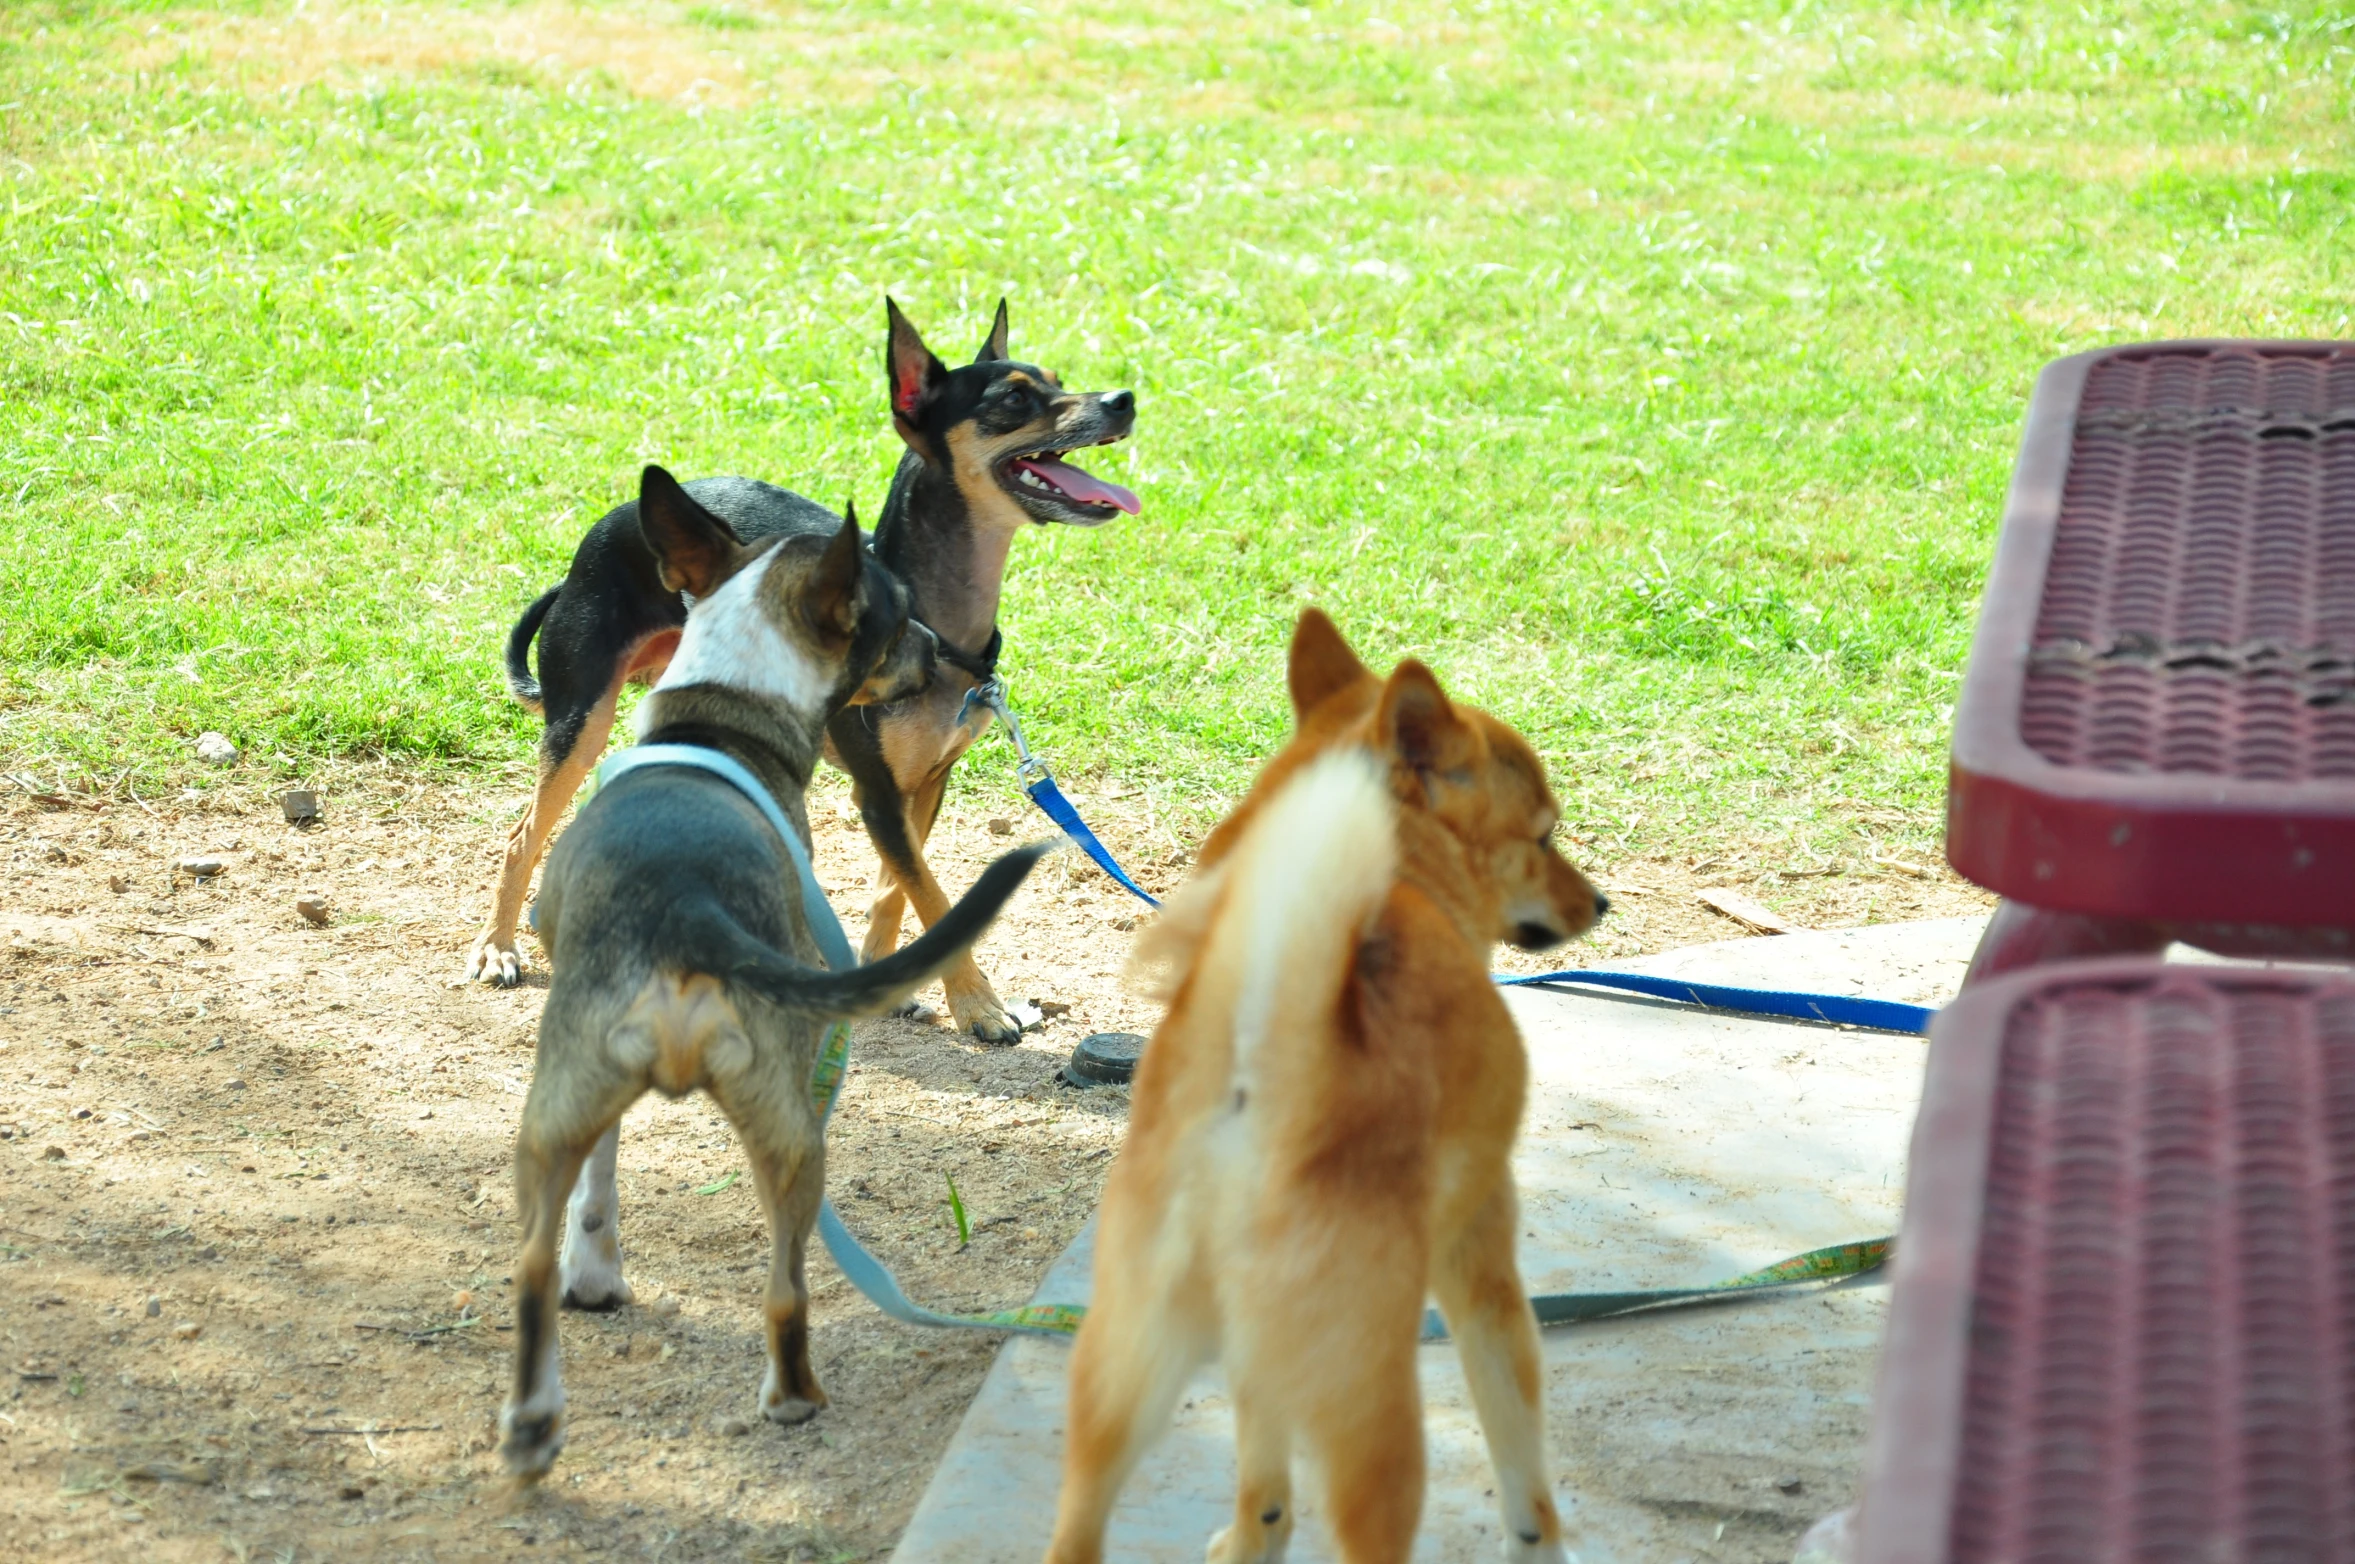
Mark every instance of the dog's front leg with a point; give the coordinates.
(591, 1267)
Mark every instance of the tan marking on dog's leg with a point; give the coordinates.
(973, 1004)
(1128, 1368)
(1263, 1471)
(1479, 1291)
(494, 955)
(591, 1269)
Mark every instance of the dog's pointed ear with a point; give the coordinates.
(830, 593)
(1322, 664)
(694, 551)
(916, 376)
(993, 351)
(1417, 724)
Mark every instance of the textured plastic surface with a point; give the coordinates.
(2123, 1323)
(2159, 716)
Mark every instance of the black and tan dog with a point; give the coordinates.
(683, 958)
(984, 458)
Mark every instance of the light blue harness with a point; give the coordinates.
(868, 1274)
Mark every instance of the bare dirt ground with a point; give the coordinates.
(255, 1217)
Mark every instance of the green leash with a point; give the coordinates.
(1563, 1308)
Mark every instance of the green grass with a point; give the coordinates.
(1653, 371)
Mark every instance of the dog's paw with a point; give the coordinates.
(530, 1436)
(982, 1018)
(780, 1405)
(491, 962)
(595, 1284)
(1527, 1550)
(1266, 1546)
(789, 1410)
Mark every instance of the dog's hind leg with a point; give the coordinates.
(590, 1269)
(786, 1147)
(1479, 1293)
(568, 749)
(564, 1115)
(1128, 1368)
(1263, 1473)
(1366, 1430)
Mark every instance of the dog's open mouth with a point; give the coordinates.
(1046, 475)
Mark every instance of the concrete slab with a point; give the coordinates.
(1662, 1148)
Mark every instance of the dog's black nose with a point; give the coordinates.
(1120, 403)
(1602, 904)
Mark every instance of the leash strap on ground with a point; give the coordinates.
(1885, 1015)
(1816, 1265)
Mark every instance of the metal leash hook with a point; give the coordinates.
(1028, 768)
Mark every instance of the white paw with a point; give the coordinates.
(492, 962)
(592, 1279)
(531, 1434)
(1224, 1549)
(779, 1405)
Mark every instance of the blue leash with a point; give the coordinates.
(1882, 1015)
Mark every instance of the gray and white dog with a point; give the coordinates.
(682, 957)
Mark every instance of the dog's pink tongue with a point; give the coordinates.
(1084, 487)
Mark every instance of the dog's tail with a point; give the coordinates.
(520, 682)
(721, 945)
(1301, 888)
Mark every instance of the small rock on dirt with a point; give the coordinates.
(313, 909)
(1788, 1485)
(53, 1154)
(237, 1084)
(187, 1330)
(1001, 826)
(202, 868)
(665, 1307)
(1051, 1008)
(734, 1427)
(214, 749)
(299, 806)
(118, 883)
(155, 1307)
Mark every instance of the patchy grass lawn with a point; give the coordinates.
(1654, 372)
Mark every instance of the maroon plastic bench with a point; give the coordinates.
(2156, 736)
(2123, 1318)
(2123, 1325)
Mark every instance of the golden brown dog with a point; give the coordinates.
(1321, 1126)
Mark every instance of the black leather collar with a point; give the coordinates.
(982, 669)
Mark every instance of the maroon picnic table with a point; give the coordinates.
(2123, 1318)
